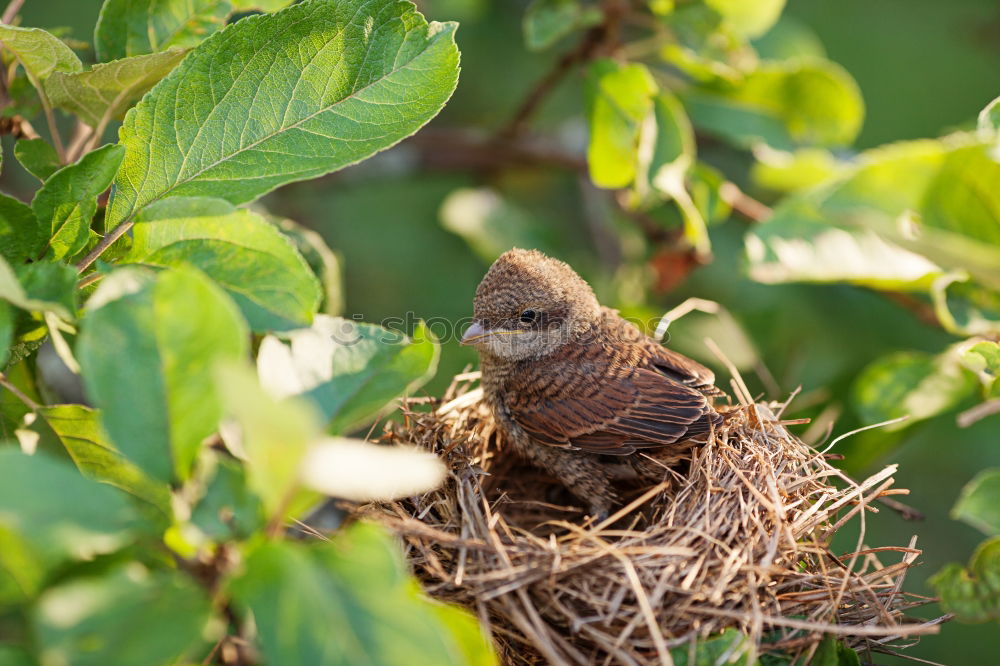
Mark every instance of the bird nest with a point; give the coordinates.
(737, 536)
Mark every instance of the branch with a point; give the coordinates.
(743, 203)
(18, 393)
(11, 12)
(105, 243)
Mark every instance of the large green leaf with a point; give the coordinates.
(20, 232)
(50, 514)
(40, 52)
(38, 157)
(228, 509)
(108, 90)
(128, 28)
(784, 104)
(127, 616)
(147, 346)
(973, 593)
(78, 434)
(619, 98)
(349, 602)
(257, 265)
(68, 200)
(351, 371)
(979, 503)
(49, 283)
(912, 384)
(343, 80)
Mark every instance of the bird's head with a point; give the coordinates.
(528, 305)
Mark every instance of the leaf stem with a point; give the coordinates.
(50, 119)
(13, 7)
(105, 243)
(28, 402)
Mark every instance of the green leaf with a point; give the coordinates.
(913, 384)
(344, 80)
(67, 201)
(964, 307)
(257, 266)
(983, 359)
(108, 90)
(38, 157)
(40, 52)
(548, 21)
(127, 616)
(15, 294)
(228, 510)
(261, 5)
(979, 503)
(748, 18)
(619, 98)
(20, 235)
(989, 117)
(807, 101)
(275, 435)
(973, 593)
(50, 514)
(78, 433)
(731, 645)
(794, 171)
(50, 283)
(833, 652)
(349, 370)
(147, 347)
(128, 28)
(799, 244)
(348, 602)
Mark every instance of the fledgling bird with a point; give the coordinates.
(570, 382)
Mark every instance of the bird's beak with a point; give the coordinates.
(474, 334)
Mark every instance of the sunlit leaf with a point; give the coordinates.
(784, 104)
(619, 99)
(68, 200)
(748, 18)
(127, 616)
(275, 434)
(793, 171)
(40, 52)
(912, 384)
(972, 593)
(361, 471)
(989, 117)
(349, 370)
(964, 307)
(321, 259)
(128, 28)
(349, 602)
(256, 265)
(108, 90)
(982, 358)
(147, 345)
(344, 80)
(979, 503)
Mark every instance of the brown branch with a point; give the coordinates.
(105, 243)
(744, 204)
(18, 393)
(11, 12)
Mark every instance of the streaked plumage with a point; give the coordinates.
(570, 381)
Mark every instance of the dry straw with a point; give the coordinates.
(737, 536)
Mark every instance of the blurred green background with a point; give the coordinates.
(924, 67)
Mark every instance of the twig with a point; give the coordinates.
(18, 393)
(744, 204)
(105, 243)
(979, 412)
(13, 7)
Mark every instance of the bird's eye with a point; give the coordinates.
(529, 316)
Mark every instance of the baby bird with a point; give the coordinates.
(570, 382)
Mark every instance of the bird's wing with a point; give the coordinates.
(603, 400)
(683, 369)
